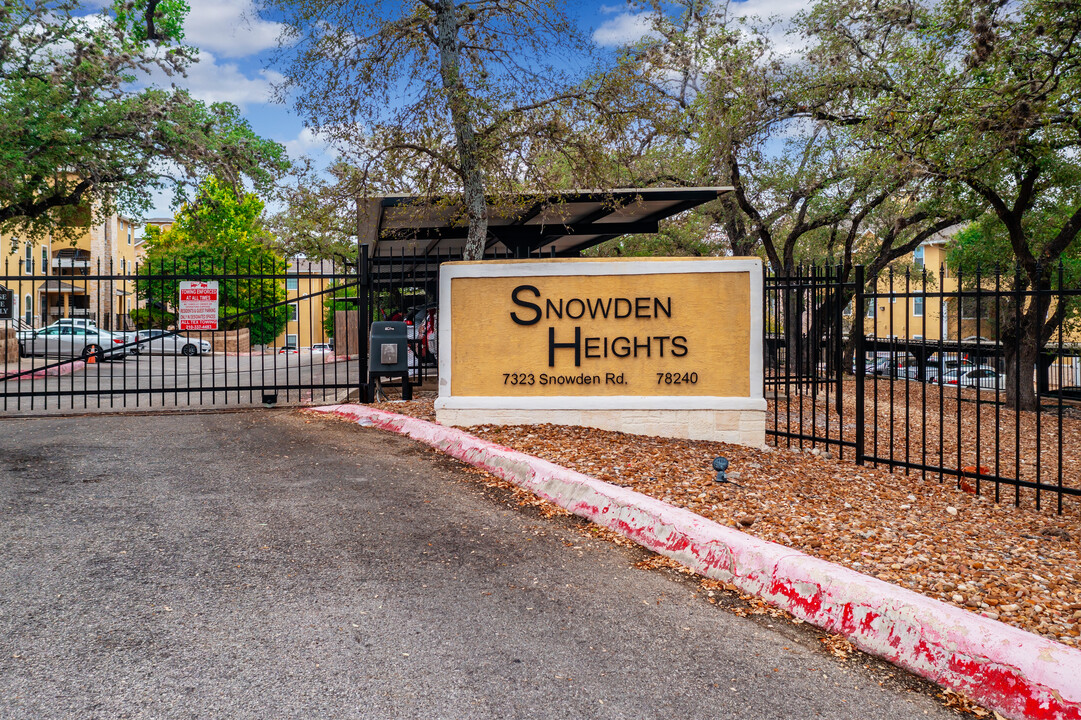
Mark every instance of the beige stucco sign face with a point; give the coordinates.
(600, 328)
(682, 333)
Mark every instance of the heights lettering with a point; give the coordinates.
(598, 347)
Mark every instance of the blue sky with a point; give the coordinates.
(236, 46)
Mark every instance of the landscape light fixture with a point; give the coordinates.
(720, 465)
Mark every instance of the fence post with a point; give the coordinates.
(858, 319)
(838, 308)
(364, 315)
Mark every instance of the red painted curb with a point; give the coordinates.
(63, 369)
(1016, 673)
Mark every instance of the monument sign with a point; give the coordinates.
(665, 346)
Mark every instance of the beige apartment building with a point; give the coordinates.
(908, 311)
(929, 316)
(925, 314)
(60, 279)
(305, 284)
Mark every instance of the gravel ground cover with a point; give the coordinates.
(942, 427)
(1014, 564)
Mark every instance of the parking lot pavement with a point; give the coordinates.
(267, 564)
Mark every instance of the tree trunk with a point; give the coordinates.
(797, 307)
(1021, 346)
(1020, 372)
(476, 205)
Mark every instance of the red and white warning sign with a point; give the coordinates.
(198, 305)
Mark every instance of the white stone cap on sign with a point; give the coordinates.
(601, 402)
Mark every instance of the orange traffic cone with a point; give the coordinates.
(91, 359)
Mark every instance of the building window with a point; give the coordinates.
(29, 259)
(294, 312)
(44, 260)
(291, 340)
(849, 309)
(28, 309)
(129, 234)
(917, 306)
(917, 257)
(292, 283)
(870, 307)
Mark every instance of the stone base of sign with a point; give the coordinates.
(9, 345)
(741, 427)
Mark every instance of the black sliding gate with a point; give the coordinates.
(84, 338)
(74, 342)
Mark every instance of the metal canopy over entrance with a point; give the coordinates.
(532, 225)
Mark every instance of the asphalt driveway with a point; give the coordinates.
(268, 564)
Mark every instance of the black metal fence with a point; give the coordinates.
(973, 378)
(921, 371)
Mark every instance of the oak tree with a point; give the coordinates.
(458, 95)
(985, 94)
(78, 136)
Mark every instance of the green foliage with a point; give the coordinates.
(77, 139)
(142, 21)
(983, 95)
(221, 233)
(152, 317)
(718, 103)
(319, 219)
(983, 248)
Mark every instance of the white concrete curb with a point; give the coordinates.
(1016, 673)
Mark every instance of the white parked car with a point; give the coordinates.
(322, 349)
(947, 367)
(167, 342)
(984, 377)
(62, 322)
(74, 341)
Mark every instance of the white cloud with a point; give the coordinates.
(627, 26)
(623, 29)
(779, 13)
(229, 28)
(211, 81)
(766, 9)
(309, 143)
